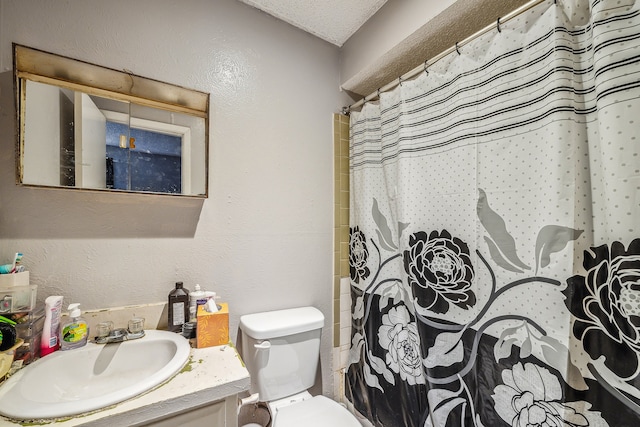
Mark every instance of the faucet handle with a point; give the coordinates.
(103, 329)
(136, 325)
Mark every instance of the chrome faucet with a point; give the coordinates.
(108, 335)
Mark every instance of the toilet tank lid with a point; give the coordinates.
(280, 323)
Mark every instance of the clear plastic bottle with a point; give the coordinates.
(193, 302)
(178, 308)
(75, 332)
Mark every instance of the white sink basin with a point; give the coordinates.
(95, 376)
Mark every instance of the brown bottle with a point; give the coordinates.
(178, 308)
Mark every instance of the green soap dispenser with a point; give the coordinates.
(75, 332)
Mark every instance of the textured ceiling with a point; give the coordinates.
(336, 20)
(332, 20)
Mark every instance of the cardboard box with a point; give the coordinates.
(212, 328)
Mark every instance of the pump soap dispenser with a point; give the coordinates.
(75, 332)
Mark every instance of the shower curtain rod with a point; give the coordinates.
(456, 47)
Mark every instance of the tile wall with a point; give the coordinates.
(341, 291)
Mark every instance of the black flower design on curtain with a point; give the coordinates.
(358, 255)
(606, 304)
(439, 271)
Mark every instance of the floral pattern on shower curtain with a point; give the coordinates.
(495, 230)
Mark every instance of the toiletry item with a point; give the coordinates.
(75, 332)
(178, 308)
(49, 341)
(5, 268)
(193, 301)
(17, 260)
(189, 330)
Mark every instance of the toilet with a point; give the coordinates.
(281, 350)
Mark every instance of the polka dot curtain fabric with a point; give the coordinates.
(495, 230)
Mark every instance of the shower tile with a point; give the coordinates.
(344, 233)
(344, 183)
(344, 217)
(344, 198)
(345, 286)
(344, 165)
(345, 316)
(335, 355)
(336, 335)
(344, 267)
(345, 335)
(344, 128)
(345, 302)
(341, 216)
(344, 357)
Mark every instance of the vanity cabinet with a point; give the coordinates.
(219, 414)
(204, 393)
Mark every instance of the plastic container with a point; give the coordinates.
(14, 279)
(29, 326)
(193, 302)
(74, 332)
(30, 349)
(27, 317)
(14, 299)
(178, 308)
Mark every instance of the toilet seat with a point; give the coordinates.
(319, 411)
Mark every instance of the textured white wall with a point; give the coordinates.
(263, 238)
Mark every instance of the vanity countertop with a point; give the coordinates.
(210, 375)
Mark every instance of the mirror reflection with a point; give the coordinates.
(78, 137)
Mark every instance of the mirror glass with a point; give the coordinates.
(77, 136)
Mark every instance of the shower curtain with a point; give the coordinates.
(495, 230)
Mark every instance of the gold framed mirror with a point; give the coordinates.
(87, 127)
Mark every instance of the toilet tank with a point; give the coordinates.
(281, 350)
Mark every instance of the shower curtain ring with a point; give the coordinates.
(498, 25)
(458, 50)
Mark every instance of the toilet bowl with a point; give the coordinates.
(281, 350)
